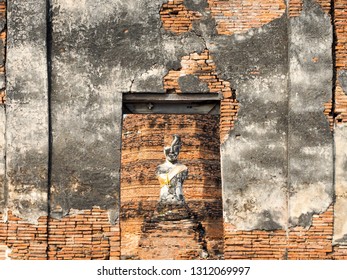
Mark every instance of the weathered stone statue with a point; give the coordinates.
(171, 175)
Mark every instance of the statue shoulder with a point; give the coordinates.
(163, 168)
(182, 166)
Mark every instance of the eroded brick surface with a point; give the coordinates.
(140, 188)
(235, 17)
(25, 241)
(340, 21)
(298, 243)
(296, 6)
(176, 17)
(87, 235)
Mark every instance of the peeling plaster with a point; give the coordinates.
(340, 213)
(100, 50)
(26, 110)
(3, 193)
(308, 200)
(310, 143)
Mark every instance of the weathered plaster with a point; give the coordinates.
(342, 78)
(276, 162)
(2, 157)
(27, 110)
(254, 157)
(340, 213)
(258, 190)
(310, 153)
(96, 56)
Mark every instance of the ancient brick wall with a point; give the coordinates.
(85, 235)
(238, 48)
(340, 60)
(340, 113)
(296, 243)
(235, 17)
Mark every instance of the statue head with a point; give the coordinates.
(171, 152)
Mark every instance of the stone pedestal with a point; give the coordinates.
(172, 233)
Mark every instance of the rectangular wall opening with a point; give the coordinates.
(143, 139)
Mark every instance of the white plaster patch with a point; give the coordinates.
(320, 151)
(169, 47)
(4, 216)
(308, 198)
(340, 220)
(28, 62)
(341, 159)
(340, 211)
(264, 88)
(2, 142)
(156, 72)
(90, 13)
(246, 209)
(87, 12)
(261, 129)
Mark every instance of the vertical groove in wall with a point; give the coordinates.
(333, 48)
(333, 101)
(5, 116)
(49, 105)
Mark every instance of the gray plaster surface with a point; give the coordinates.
(254, 156)
(100, 50)
(277, 164)
(309, 137)
(27, 109)
(2, 158)
(277, 168)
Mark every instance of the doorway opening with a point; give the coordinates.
(143, 139)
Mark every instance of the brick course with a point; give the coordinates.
(86, 235)
(296, 6)
(238, 16)
(176, 17)
(297, 243)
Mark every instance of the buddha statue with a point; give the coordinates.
(171, 175)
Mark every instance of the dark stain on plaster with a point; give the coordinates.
(198, 6)
(342, 78)
(264, 48)
(266, 221)
(305, 219)
(191, 83)
(27, 181)
(342, 240)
